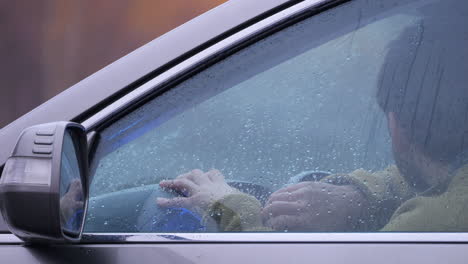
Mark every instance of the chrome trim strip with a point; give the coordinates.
(186, 65)
(276, 237)
(9, 239)
(262, 238)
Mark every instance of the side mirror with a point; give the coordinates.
(43, 188)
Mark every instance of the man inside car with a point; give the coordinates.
(423, 91)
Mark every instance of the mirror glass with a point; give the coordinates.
(71, 188)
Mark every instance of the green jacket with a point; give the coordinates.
(394, 205)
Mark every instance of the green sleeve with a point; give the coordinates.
(384, 190)
(445, 212)
(235, 213)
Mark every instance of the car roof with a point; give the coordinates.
(89, 95)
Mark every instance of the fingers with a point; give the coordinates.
(75, 190)
(286, 222)
(192, 174)
(75, 186)
(295, 187)
(199, 177)
(285, 196)
(282, 208)
(174, 202)
(196, 176)
(181, 185)
(210, 184)
(76, 182)
(310, 191)
(304, 194)
(215, 175)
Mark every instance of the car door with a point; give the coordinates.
(292, 99)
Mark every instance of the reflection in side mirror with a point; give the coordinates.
(43, 188)
(71, 188)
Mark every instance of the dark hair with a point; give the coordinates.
(424, 81)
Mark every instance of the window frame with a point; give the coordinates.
(192, 66)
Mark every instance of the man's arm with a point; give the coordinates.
(223, 208)
(358, 201)
(314, 206)
(235, 213)
(384, 191)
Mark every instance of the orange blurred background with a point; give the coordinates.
(49, 45)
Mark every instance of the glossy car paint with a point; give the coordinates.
(277, 253)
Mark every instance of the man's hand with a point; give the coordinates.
(200, 190)
(72, 201)
(314, 206)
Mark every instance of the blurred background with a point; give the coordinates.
(49, 45)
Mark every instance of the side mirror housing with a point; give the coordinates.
(43, 188)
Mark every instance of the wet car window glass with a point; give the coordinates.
(352, 120)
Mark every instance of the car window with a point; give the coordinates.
(351, 120)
